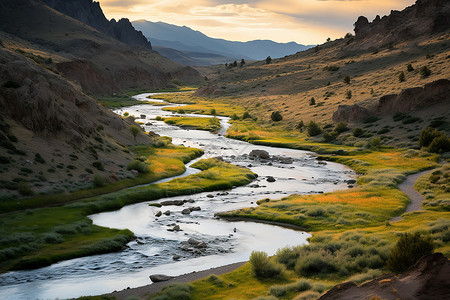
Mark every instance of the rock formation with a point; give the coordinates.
(424, 18)
(350, 113)
(90, 13)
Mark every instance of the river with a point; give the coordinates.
(155, 247)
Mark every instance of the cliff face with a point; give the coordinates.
(90, 13)
(426, 17)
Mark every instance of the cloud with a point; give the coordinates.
(304, 21)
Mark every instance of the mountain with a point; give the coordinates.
(396, 65)
(184, 39)
(90, 13)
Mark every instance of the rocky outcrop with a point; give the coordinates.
(429, 278)
(426, 17)
(350, 114)
(415, 98)
(208, 90)
(90, 13)
(160, 277)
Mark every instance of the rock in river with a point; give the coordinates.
(158, 214)
(173, 202)
(270, 179)
(263, 154)
(160, 277)
(186, 211)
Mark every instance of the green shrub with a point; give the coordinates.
(357, 132)
(374, 142)
(313, 129)
(4, 160)
(139, 166)
(99, 180)
(330, 136)
(276, 116)
(409, 68)
(287, 256)
(98, 165)
(38, 158)
(341, 127)
(175, 291)
(262, 267)
(383, 131)
(314, 263)
(348, 94)
(401, 76)
(212, 111)
(181, 111)
(424, 72)
(440, 144)
(409, 248)
(134, 131)
(436, 141)
(347, 79)
(234, 117)
(126, 114)
(312, 101)
(246, 115)
(25, 189)
(282, 290)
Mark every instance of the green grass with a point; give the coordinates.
(435, 187)
(199, 123)
(39, 237)
(165, 161)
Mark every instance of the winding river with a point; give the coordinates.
(155, 247)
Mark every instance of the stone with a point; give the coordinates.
(167, 212)
(134, 172)
(172, 202)
(210, 196)
(195, 208)
(193, 241)
(270, 179)
(262, 154)
(158, 214)
(186, 211)
(160, 277)
(176, 228)
(176, 257)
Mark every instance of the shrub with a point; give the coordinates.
(436, 141)
(134, 131)
(25, 189)
(330, 136)
(98, 165)
(262, 267)
(4, 160)
(287, 256)
(374, 142)
(410, 120)
(341, 127)
(424, 72)
(383, 131)
(212, 111)
(313, 129)
(409, 248)
(246, 115)
(139, 166)
(300, 125)
(357, 132)
(348, 94)
(370, 119)
(409, 68)
(99, 180)
(401, 76)
(126, 114)
(181, 111)
(268, 60)
(314, 263)
(312, 101)
(175, 291)
(440, 144)
(38, 158)
(276, 116)
(347, 79)
(299, 286)
(234, 117)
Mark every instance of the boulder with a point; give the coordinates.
(172, 202)
(350, 114)
(160, 277)
(270, 179)
(193, 241)
(167, 212)
(158, 214)
(186, 211)
(195, 208)
(261, 154)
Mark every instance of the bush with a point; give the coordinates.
(401, 76)
(374, 142)
(126, 114)
(212, 111)
(314, 263)
(268, 60)
(357, 132)
(436, 141)
(234, 117)
(98, 165)
(409, 248)
(276, 116)
(25, 189)
(299, 286)
(424, 72)
(38, 158)
(348, 94)
(99, 180)
(330, 136)
(246, 115)
(262, 267)
(341, 127)
(370, 119)
(313, 129)
(175, 291)
(440, 144)
(139, 166)
(134, 131)
(409, 68)
(312, 101)
(347, 79)
(181, 111)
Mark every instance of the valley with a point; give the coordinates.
(292, 177)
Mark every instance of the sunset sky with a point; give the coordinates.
(302, 21)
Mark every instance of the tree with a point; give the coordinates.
(312, 101)
(134, 131)
(246, 115)
(276, 116)
(300, 125)
(328, 39)
(347, 79)
(268, 60)
(425, 72)
(409, 68)
(341, 127)
(242, 63)
(313, 129)
(348, 94)
(401, 76)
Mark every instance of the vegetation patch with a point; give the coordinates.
(200, 123)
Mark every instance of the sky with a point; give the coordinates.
(306, 22)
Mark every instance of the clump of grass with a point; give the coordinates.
(262, 266)
(99, 180)
(313, 129)
(25, 189)
(98, 165)
(175, 291)
(139, 166)
(409, 248)
(295, 287)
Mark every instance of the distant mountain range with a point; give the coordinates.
(196, 47)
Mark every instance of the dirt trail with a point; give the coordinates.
(416, 198)
(156, 287)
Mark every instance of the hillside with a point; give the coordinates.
(185, 39)
(372, 60)
(97, 62)
(54, 137)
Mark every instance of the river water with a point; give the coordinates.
(155, 248)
